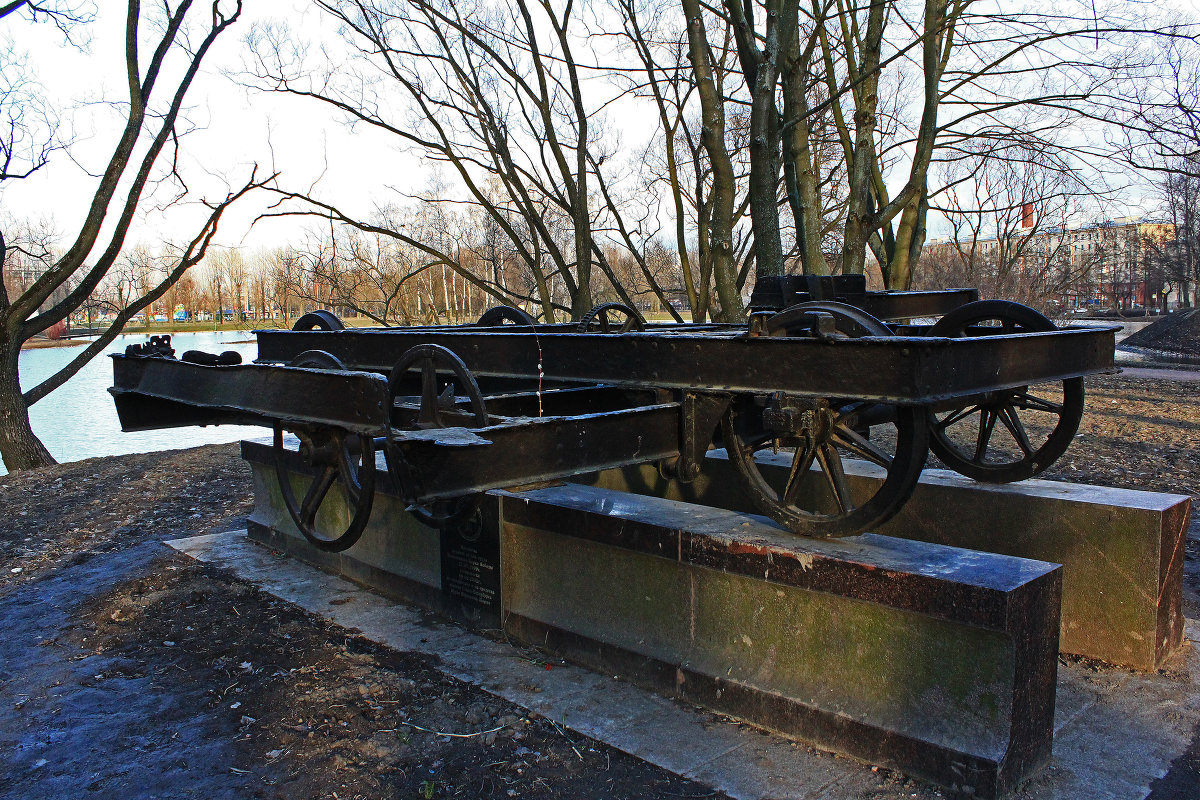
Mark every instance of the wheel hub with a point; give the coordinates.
(793, 417)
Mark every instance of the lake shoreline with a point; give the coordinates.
(78, 419)
(38, 344)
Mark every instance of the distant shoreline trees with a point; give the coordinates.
(663, 153)
(158, 78)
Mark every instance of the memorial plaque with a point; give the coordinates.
(471, 571)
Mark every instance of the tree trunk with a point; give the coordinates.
(801, 168)
(712, 134)
(910, 234)
(19, 446)
(866, 100)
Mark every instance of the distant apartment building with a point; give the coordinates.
(20, 273)
(1106, 264)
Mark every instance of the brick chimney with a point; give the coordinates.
(1027, 215)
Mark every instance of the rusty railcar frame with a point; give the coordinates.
(452, 411)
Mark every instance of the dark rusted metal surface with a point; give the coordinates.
(457, 461)
(904, 370)
(161, 393)
(474, 407)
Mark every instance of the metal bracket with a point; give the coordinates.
(701, 413)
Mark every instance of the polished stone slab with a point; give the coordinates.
(1121, 550)
(937, 661)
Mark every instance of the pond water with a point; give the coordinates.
(78, 419)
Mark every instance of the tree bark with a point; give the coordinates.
(866, 101)
(723, 185)
(20, 448)
(800, 162)
(760, 67)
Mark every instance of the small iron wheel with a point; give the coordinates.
(849, 322)
(317, 359)
(611, 318)
(320, 320)
(505, 315)
(438, 395)
(821, 432)
(1009, 434)
(341, 458)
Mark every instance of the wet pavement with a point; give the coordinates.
(66, 711)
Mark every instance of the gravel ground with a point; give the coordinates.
(128, 670)
(1178, 332)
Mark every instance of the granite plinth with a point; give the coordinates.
(933, 660)
(1121, 550)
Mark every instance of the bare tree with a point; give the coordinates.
(30, 130)
(1155, 119)
(695, 167)
(1179, 257)
(150, 128)
(1157, 128)
(487, 92)
(1007, 208)
(904, 87)
(284, 282)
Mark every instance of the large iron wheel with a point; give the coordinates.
(611, 318)
(437, 400)
(821, 432)
(340, 457)
(320, 320)
(1010, 434)
(505, 315)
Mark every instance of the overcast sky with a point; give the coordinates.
(235, 129)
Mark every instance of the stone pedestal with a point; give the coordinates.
(1121, 550)
(934, 660)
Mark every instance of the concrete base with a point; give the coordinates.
(934, 660)
(1122, 551)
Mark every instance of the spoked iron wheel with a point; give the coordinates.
(611, 318)
(433, 407)
(341, 458)
(822, 432)
(1009, 434)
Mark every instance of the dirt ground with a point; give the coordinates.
(127, 670)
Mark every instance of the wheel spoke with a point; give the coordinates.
(429, 415)
(831, 464)
(862, 447)
(987, 424)
(957, 416)
(447, 401)
(801, 463)
(316, 494)
(1012, 421)
(1025, 401)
